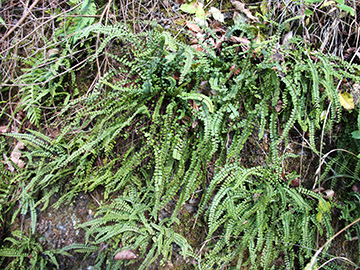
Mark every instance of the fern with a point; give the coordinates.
(167, 123)
(125, 216)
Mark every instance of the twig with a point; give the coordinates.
(49, 20)
(19, 22)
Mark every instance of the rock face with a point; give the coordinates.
(57, 228)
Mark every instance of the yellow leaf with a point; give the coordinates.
(319, 217)
(263, 7)
(346, 101)
(324, 208)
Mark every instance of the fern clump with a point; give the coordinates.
(124, 223)
(168, 123)
(256, 211)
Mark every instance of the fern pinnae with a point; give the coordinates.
(217, 179)
(189, 56)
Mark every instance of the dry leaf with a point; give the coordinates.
(239, 40)
(195, 106)
(197, 47)
(241, 7)
(235, 69)
(16, 154)
(287, 37)
(126, 255)
(355, 93)
(317, 190)
(15, 157)
(194, 124)
(167, 4)
(53, 52)
(346, 101)
(295, 182)
(193, 27)
(3, 129)
(329, 193)
(217, 15)
(256, 196)
(349, 53)
(278, 107)
(217, 28)
(277, 57)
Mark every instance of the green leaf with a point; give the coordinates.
(356, 134)
(3, 22)
(341, 2)
(312, 1)
(347, 8)
(308, 12)
(189, 8)
(200, 97)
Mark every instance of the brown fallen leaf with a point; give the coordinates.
(317, 190)
(241, 7)
(3, 129)
(295, 182)
(193, 27)
(277, 57)
(239, 40)
(197, 47)
(329, 193)
(235, 69)
(217, 27)
(126, 255)
(15, 157)
(278, 107)
(286, 38)
(349, 53)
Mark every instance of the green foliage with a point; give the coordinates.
(256, 210)
(125, 223)
(27, 252)
(72, 26)
(154, 125)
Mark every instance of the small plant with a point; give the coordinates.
(125, 223)
(26, 251)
